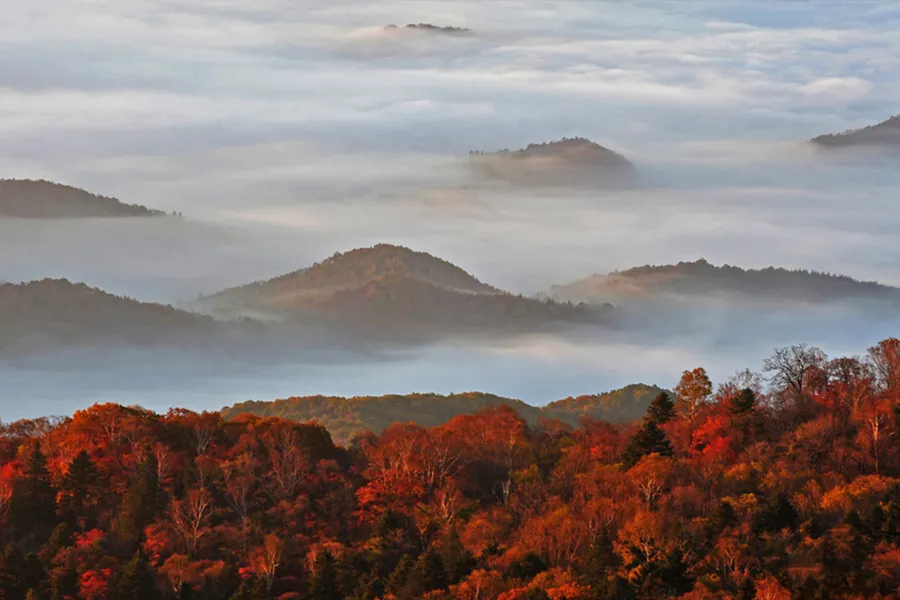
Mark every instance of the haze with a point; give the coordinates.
(287, 131)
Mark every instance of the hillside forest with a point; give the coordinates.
(778, 485)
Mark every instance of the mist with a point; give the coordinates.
(286, 132)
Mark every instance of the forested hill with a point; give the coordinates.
(886, 133)
(346, 417)
(702, 279)
(788, 491)
(569, 161)
(391, 291)
(53, 314)
(39, 199)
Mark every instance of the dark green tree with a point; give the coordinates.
(140, 504)
(12, 574)
(33, 504)
(458, 561)
(661, 409)
(427, 574)
(135, 582)
(77, 488)
(324, 581)
(742, 403)
(648, 439)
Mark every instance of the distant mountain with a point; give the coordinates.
(26, 198)
(346, 417)
(886, 133)
(429, 28)
(54, 314)
(700, 279)
(569, 161)
(391, 290)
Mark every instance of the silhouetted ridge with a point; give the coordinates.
(428, 27)
(55, 313)
(26, 198)
(346, 417)
(886, 133)
(569, 161)
(699, 278)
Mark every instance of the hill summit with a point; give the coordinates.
(569, 161)
(886, 133)
(40, 199)
(702, 279)
(388, 289)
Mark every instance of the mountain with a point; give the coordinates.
(429, 28)
(54, 314)
(701, 279)
(26, 198)
(569, 161)
(346, 417)
(886, 133)
(391, 290)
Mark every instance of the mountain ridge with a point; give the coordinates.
(42, 199)
(886, 133)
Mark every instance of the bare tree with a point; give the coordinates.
(795, 368)
(885, 358)
(188, 516)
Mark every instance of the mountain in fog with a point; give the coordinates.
(55, 314)
(429, 28)
(39, 199)
(569, 161)
(700, 279)
(886, 133)
(392, 290)
(346, 417)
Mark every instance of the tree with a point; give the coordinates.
(661, 409)
(693, 391)
(742, 403)
(135, 582)
(649, 439)
(796, 369)
(885, 358)
(77, 490)
(141, 502)
(33, 504)
(324, 581)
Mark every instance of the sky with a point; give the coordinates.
(285, 131)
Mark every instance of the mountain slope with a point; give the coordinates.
(701, 279)
(886, 133)
(25, 198)
(391, 290)
(569, 161)
(54, 314)
(346, 417)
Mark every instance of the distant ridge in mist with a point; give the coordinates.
(40, 199)
(886, 133)
(391, 289)
(54, 314)
(569, 161)
(346, 417)
(429, 28)
(700, 278)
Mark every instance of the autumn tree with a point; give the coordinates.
(693, 391)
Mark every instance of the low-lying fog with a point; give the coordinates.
(285, 132)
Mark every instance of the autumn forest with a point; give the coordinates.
(783, 484)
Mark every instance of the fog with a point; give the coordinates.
(285, 132)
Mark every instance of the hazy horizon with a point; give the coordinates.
(285, 133)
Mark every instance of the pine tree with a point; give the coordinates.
(324, 581)
(649, 439)
(34, 502)
(140, 504)
(76, 488)
(742, 403)
(602, 562)
(135, 582)
(661, 409)
(12, 570)
(458, 561)
(427, 574)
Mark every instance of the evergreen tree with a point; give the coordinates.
(661, 409)
(34, 501)
(324, 582)
(140, 504)
(649, 439)
(427, 574)
(458, 561)
(602, 562)
(742, 403)
(135, 582)
(12, 571)
(76, 488)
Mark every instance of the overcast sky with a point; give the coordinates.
(286, 130)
